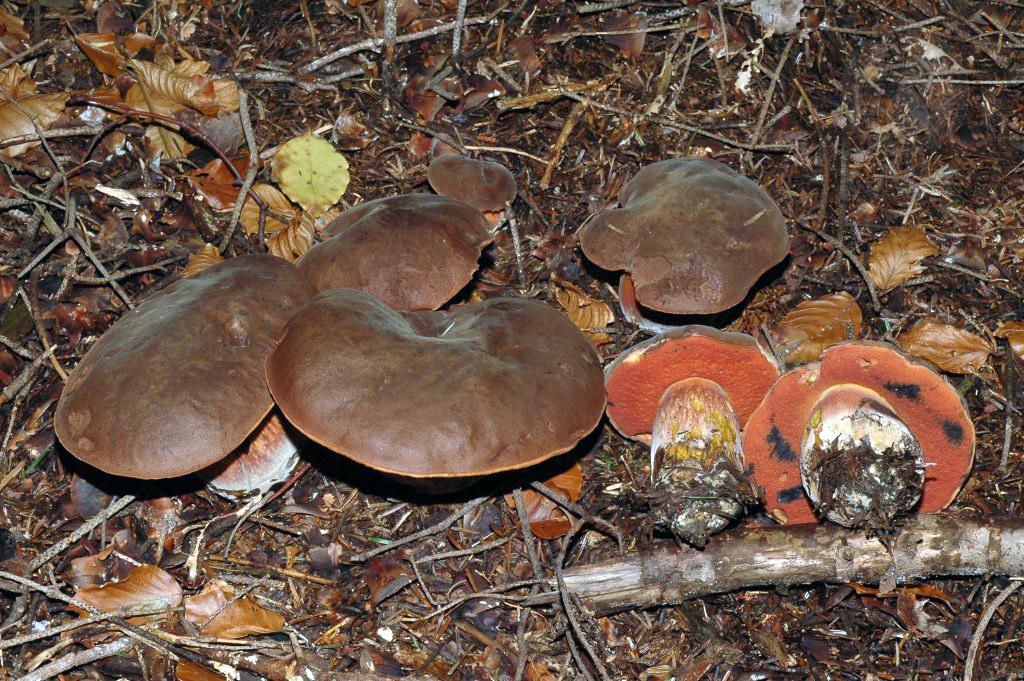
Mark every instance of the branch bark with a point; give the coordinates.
(926, 546)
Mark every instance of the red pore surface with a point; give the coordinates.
(921, 398)
(638, 377)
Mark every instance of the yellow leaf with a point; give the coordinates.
(949, 348)
(897, 256)
(43, 109)
(102, 50)
(1013, 332)
(145, 585)
(195, 91)
(815, 325)
(219, 614)
(311, 173)
(585, 312)
(292, 242)
(277, 203)
(197, 262)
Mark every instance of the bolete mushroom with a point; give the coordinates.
(179, 383)
(687, 392)
(487, 186)
(412, 252)
(855, 431)
(693, 234)
(486, 387)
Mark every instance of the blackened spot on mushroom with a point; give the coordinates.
(781, 451)
(908, 391)
(750, 470)
(954, 432)
(790, 494)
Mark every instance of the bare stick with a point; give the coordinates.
(461, 512)
(250, 175)
(83, 657)
(854, 260)
(926, 546)
(85, 528)
(979, 632)
(460, 24)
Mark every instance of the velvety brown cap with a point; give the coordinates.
(485, 185)
(178, 383)
(694, 234)
(413, 251)
(485, 387)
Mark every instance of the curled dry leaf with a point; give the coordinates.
(631, 44)
(16, 118)
(349, 134)
(547, 520)
(284, 213)
(217, 613)
(17, 83)
(216, 183)
(385, 576)
(897, 256)
(103, 52)
(814, 325)
(311, 172)
(12, 30)
(1013, 332)
(145, 585)
(949, 348)
(292, 242)
(585, 312)
(177, 88)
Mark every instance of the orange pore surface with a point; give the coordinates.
(921, 398)
(636, 380)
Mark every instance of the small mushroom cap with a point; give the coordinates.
(485, 185)
(178, 383)
(267, 458)
(695, 235)
(483, 388)
(933, 410)
(638, 378)
(413, 251)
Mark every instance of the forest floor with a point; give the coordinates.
(874, 115)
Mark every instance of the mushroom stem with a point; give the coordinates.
(860, 464)
(696, 461)
(631, 308)
(267, 458)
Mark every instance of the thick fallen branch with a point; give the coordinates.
(928, 546)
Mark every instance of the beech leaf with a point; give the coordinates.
(585, 312)
(1013, 332)
(292, 242)
(43, 109)
(218, 614)
(816, 324)
(547, 520)
(145, 585)
(897, 256)
(174, 89)
(197, 262)
(948, 347)
(101, 48)
(311, 172)
(276, 202)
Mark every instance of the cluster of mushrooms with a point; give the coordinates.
(226, 373)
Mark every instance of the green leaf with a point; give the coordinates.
(311, 172)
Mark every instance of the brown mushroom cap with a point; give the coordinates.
(483, 388)
(638, 378)
(694, 234)
(935, 413)
(485, 185)
(178, 383)
(413, 251)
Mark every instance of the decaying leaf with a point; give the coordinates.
(217, 184)
(197, 262)
(12, 30)
(349, 133)
(1013, 332)
(897, 256)
(631, 44)
(948, 347)
(386, 576)
(292, 242)
(145, 585)
(174, 89)
(277, 203)
(585, 312)
(219, 614)
(311, 172)
(547, 520)
(16, 118)
(17, 83)
(814, 325)
(102, 50)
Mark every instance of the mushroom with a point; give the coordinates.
(487, 186)
(178, 384)
(693, 235)
(686, 393)
(268, 456)
(412, 252)
(855, 430)
(486, 387)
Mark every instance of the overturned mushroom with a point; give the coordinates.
(866, 431)
(693, 235)
(178, 384)
(687, 393)
(487, 186)
(486, 387)
(413, 251)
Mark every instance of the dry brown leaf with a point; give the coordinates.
(190, 671)
(897, 256)
(226, 94)
(12, 27)
(292, 242)
(197, 262)
(585, 312)
(14, 122)
(17, 83)
(145, 585)
(547, 520)
(216, 611)
(949, 348)
(1013, 332)
(196, 91)
(816, 324)
(103, 52)
(276, 202)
